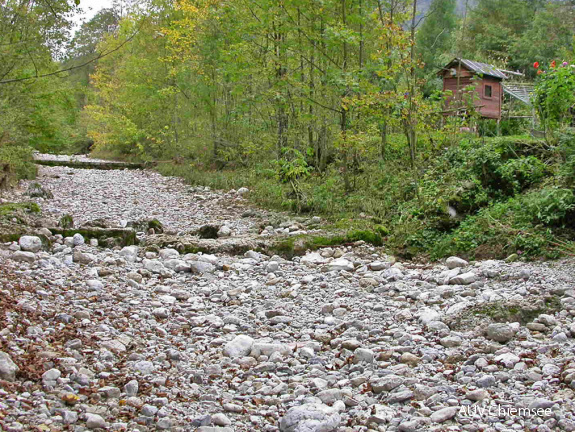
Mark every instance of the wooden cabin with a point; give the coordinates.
(460, 74)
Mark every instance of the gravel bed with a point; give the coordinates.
(341, 339)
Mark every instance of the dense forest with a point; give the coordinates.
(331, 107)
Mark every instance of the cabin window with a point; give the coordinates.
(488, 91)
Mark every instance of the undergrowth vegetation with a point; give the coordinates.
(17, 163)
(475, 197)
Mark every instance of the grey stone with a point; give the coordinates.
(463, 279)
(341, 264)
(313, 417)
(154, 266)
(22, 256)
(454, 262)
(444, 414)
(8, 368)
(200, 267)
(95, 421)
(500, 332)
(240, 346)
(78, 239)
(30, 243)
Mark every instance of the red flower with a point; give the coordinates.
(553, 64)
(536, 65)
(538, 72)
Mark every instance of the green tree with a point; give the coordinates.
(436, 35)
(549, 35)
(493, 27)
(35, 104)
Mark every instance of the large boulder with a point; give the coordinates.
(30, 243)
(463, 279)
(201, 267)
(341, 264)
(154, 266)
(500, 332)
(169, 253)
(455, 262)
(240, 346)
(8, 368)
(268, 348)
(130, 253)
(83, 257)
(22, 256)
(313, 417)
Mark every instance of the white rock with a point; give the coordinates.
(341, 264)
(22, 256)
(428, 315)
(379, 265)
(508, 360)
(500, 332)
(78, 239)
(221, 419)
(8, 368)
(95, 285)
(130, 253)
(242, 191)
(202, 267)
(240, 346)
(224, 231)
(444, 414)
(154, 265)
(30, 243)
(463, 279)
(362, 355)
(550, 369)
(50, 376)
(169, 253)
(454, 262)
(144, 367)
(313, 258)
(272, 267)
(313, 417)
(95, 421)
(267, 349)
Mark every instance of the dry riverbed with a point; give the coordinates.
(341, 339)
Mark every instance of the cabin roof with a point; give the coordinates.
(520, 91)
(478, 68)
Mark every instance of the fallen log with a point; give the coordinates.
(111, 165)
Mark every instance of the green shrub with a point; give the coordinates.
(20, 161)
(518, 174)
(551, 207)
(566, 146)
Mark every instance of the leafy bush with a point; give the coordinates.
(518, 174)
(555, 95)
(520, 224)
(566, 138)
(482, 198)
(551, 207)
(20, 161)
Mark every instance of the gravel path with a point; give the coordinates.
(343, 339)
